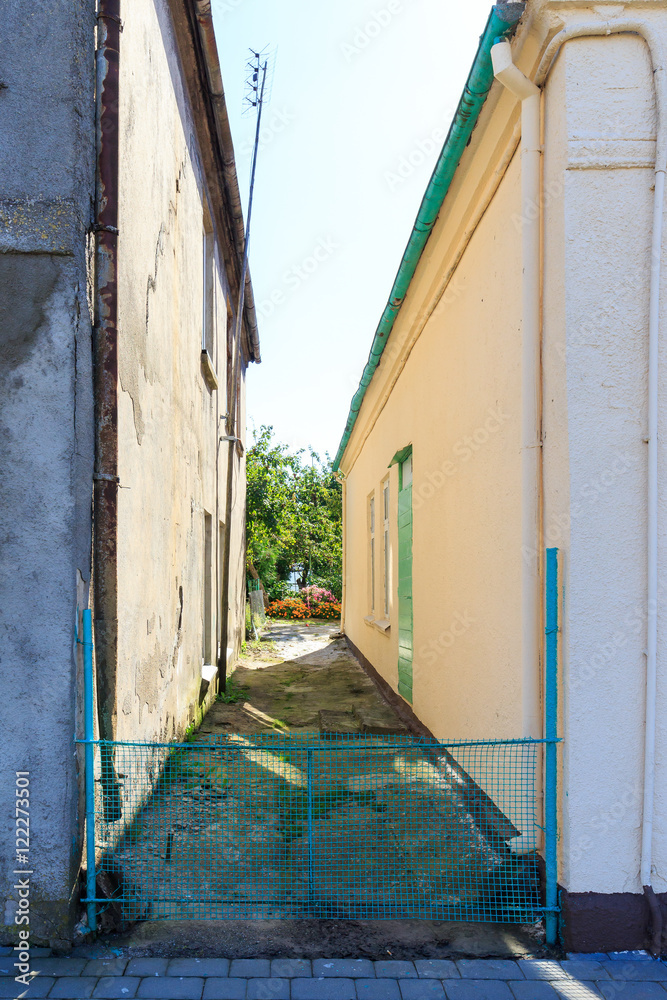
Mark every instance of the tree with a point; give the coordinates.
(294, 515)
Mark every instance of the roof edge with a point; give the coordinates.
(502, 23)
(209, 48)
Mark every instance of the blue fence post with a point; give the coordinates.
(551, 762)
(89, 736)
(309, 796)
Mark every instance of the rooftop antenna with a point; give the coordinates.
(259, 68)
(256, 95)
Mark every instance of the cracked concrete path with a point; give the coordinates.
(291, 675)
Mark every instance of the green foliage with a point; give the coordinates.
(232, 693)
(259, 649)
(294, 515)
(281, 590)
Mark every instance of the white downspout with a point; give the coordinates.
(529, 95)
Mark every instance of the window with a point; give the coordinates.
(208, 306)
(406, 472)
(387, 561)
(208, 317)
(207, 645)
(371, 522)
(221, 565)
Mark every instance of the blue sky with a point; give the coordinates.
(362, 96)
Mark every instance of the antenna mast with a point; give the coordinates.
(255, 96)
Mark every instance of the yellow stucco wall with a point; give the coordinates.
(457, 402)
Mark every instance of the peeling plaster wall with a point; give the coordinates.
(172, 468)
(46, 435)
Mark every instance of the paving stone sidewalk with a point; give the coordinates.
(618, 976)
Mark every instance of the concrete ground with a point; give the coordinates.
(111, 973)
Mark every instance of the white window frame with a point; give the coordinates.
(372, 520)
(386, 545)
(208, 303)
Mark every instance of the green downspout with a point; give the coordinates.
(501, 24)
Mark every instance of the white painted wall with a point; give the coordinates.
(47, 145)
(598, 161)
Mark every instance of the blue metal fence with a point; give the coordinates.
(345, 827)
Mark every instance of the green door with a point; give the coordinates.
(405, 578)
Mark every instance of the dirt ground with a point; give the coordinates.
(299, 679)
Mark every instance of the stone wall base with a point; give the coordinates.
(606, 921)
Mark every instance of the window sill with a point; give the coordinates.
(381, 624)
(208, 671)
(208, 371)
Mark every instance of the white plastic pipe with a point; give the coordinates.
(511, 77)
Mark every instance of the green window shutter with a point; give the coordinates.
(405, 630)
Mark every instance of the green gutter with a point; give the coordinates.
(501, 24)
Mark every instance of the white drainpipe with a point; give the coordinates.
(531, 382)
(513, 79)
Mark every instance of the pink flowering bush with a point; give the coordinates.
(317, 595)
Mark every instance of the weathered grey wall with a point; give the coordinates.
(46, 442)
(172, 466)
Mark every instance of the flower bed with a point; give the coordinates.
(295, 608)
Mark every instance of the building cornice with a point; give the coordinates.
(202, 78)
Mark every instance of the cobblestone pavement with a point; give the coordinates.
(619, 976)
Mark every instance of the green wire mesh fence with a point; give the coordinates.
(344, 827)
